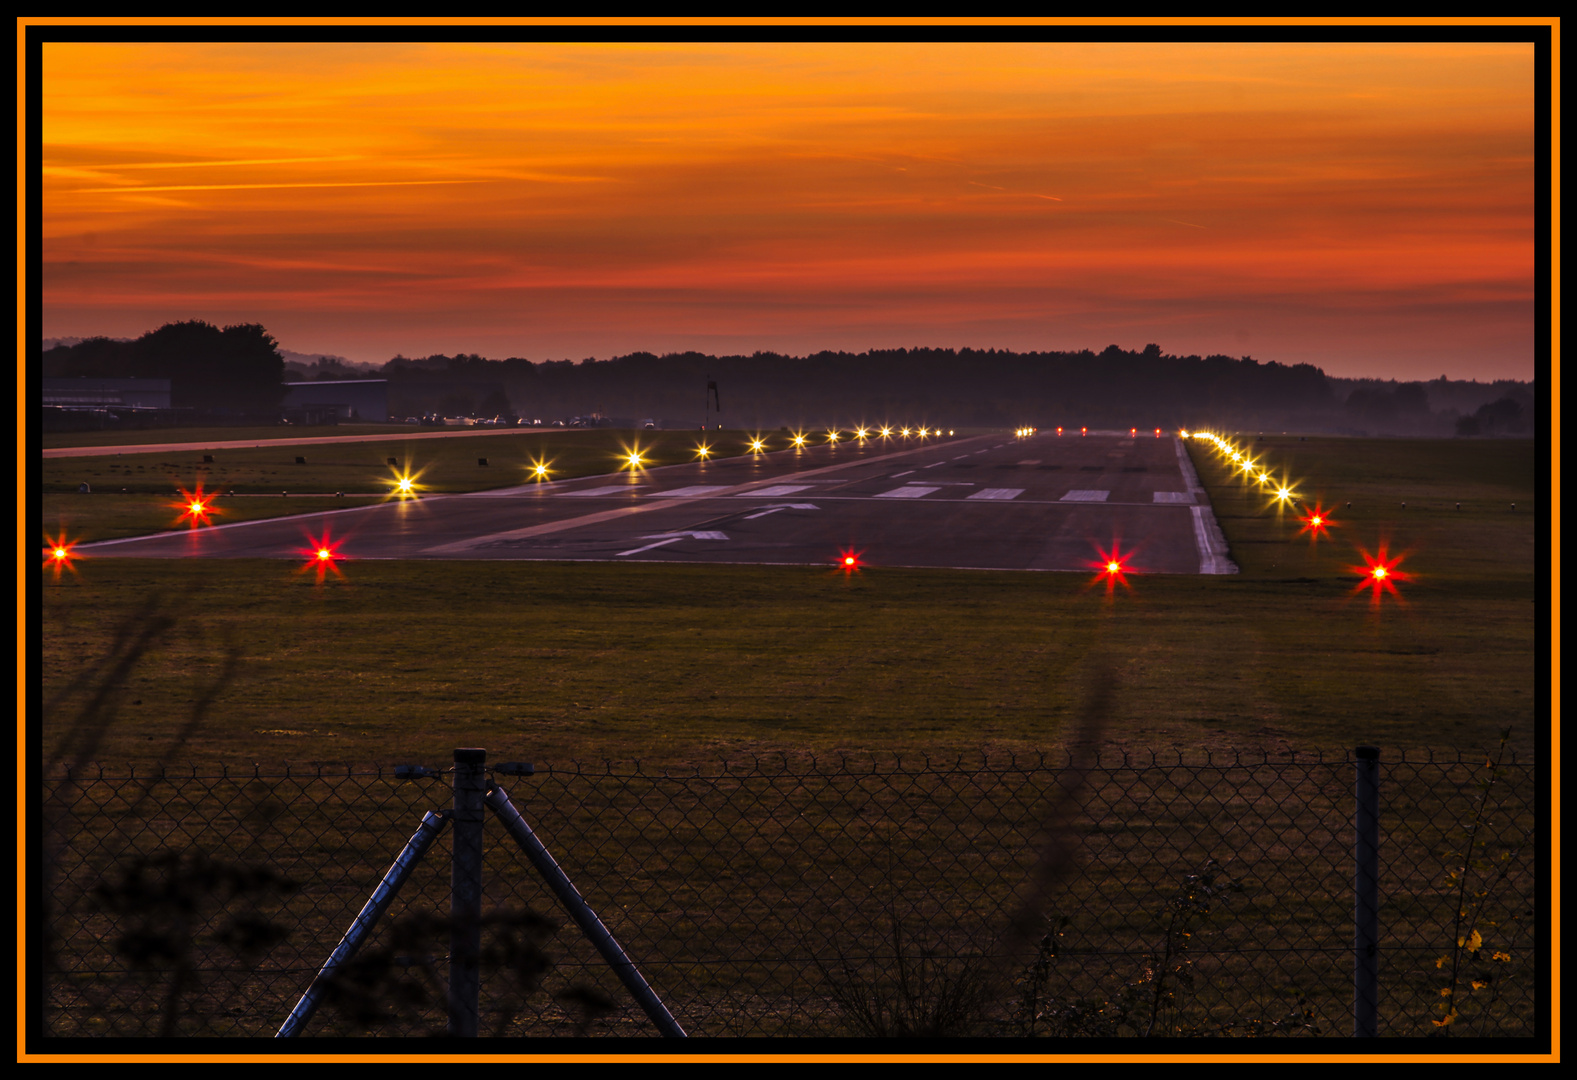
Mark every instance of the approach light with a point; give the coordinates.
(860, 433)
(832, 436)
(799, 439)
(539, 470)
(905, 433)
(887, 432)
(703, 451)
(634, 459)
(757, 445)
(1284, 494)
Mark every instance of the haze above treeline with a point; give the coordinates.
(242, 368)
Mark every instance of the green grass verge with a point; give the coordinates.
(284, 433)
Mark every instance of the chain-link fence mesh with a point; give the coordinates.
(804, 898)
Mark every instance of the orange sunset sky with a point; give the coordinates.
(1368, 208)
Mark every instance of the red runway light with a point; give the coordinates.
(1084, 431)
(194, 505)
(1316, 522)
(1059, 431)
(322, 553)
(1379, 574)
(1112, 567)
(59, 554)
(849, 561)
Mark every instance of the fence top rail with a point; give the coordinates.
(1106, 759)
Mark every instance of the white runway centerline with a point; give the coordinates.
(997, 493)
(908, 491)
(1085, 496)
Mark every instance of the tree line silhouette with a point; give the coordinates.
(1146, 388)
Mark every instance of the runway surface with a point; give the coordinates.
(986, 502)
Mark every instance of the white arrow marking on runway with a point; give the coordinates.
(669, 538)
(780, 506)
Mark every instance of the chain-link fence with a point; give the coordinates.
(1015, 897)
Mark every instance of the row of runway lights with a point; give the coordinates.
(1378, 573)
(196, 508)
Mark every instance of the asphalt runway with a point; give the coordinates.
(985, 502)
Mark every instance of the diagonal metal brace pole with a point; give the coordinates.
(581, 912)
(432, 824)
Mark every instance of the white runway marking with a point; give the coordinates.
(997, 493)
(1086, 496)
(587, 492)
(896, 475)
(908, 491)
(780, 506)
(1184, 497)
(933, 465)
(686, 492)
(773, 492)
(669, 538)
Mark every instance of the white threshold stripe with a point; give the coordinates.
(997, 493)
(773, 492)
(686, 492)
(908, 491)
(591, 492)
(548, 528)
(1085, 496)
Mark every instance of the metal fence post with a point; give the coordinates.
(1366, 895)
(584, 916)
(432, 824)
(465, 893)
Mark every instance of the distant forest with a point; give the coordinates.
(946, 387)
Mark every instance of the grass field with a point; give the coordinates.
(729, 884)
(404, 661)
